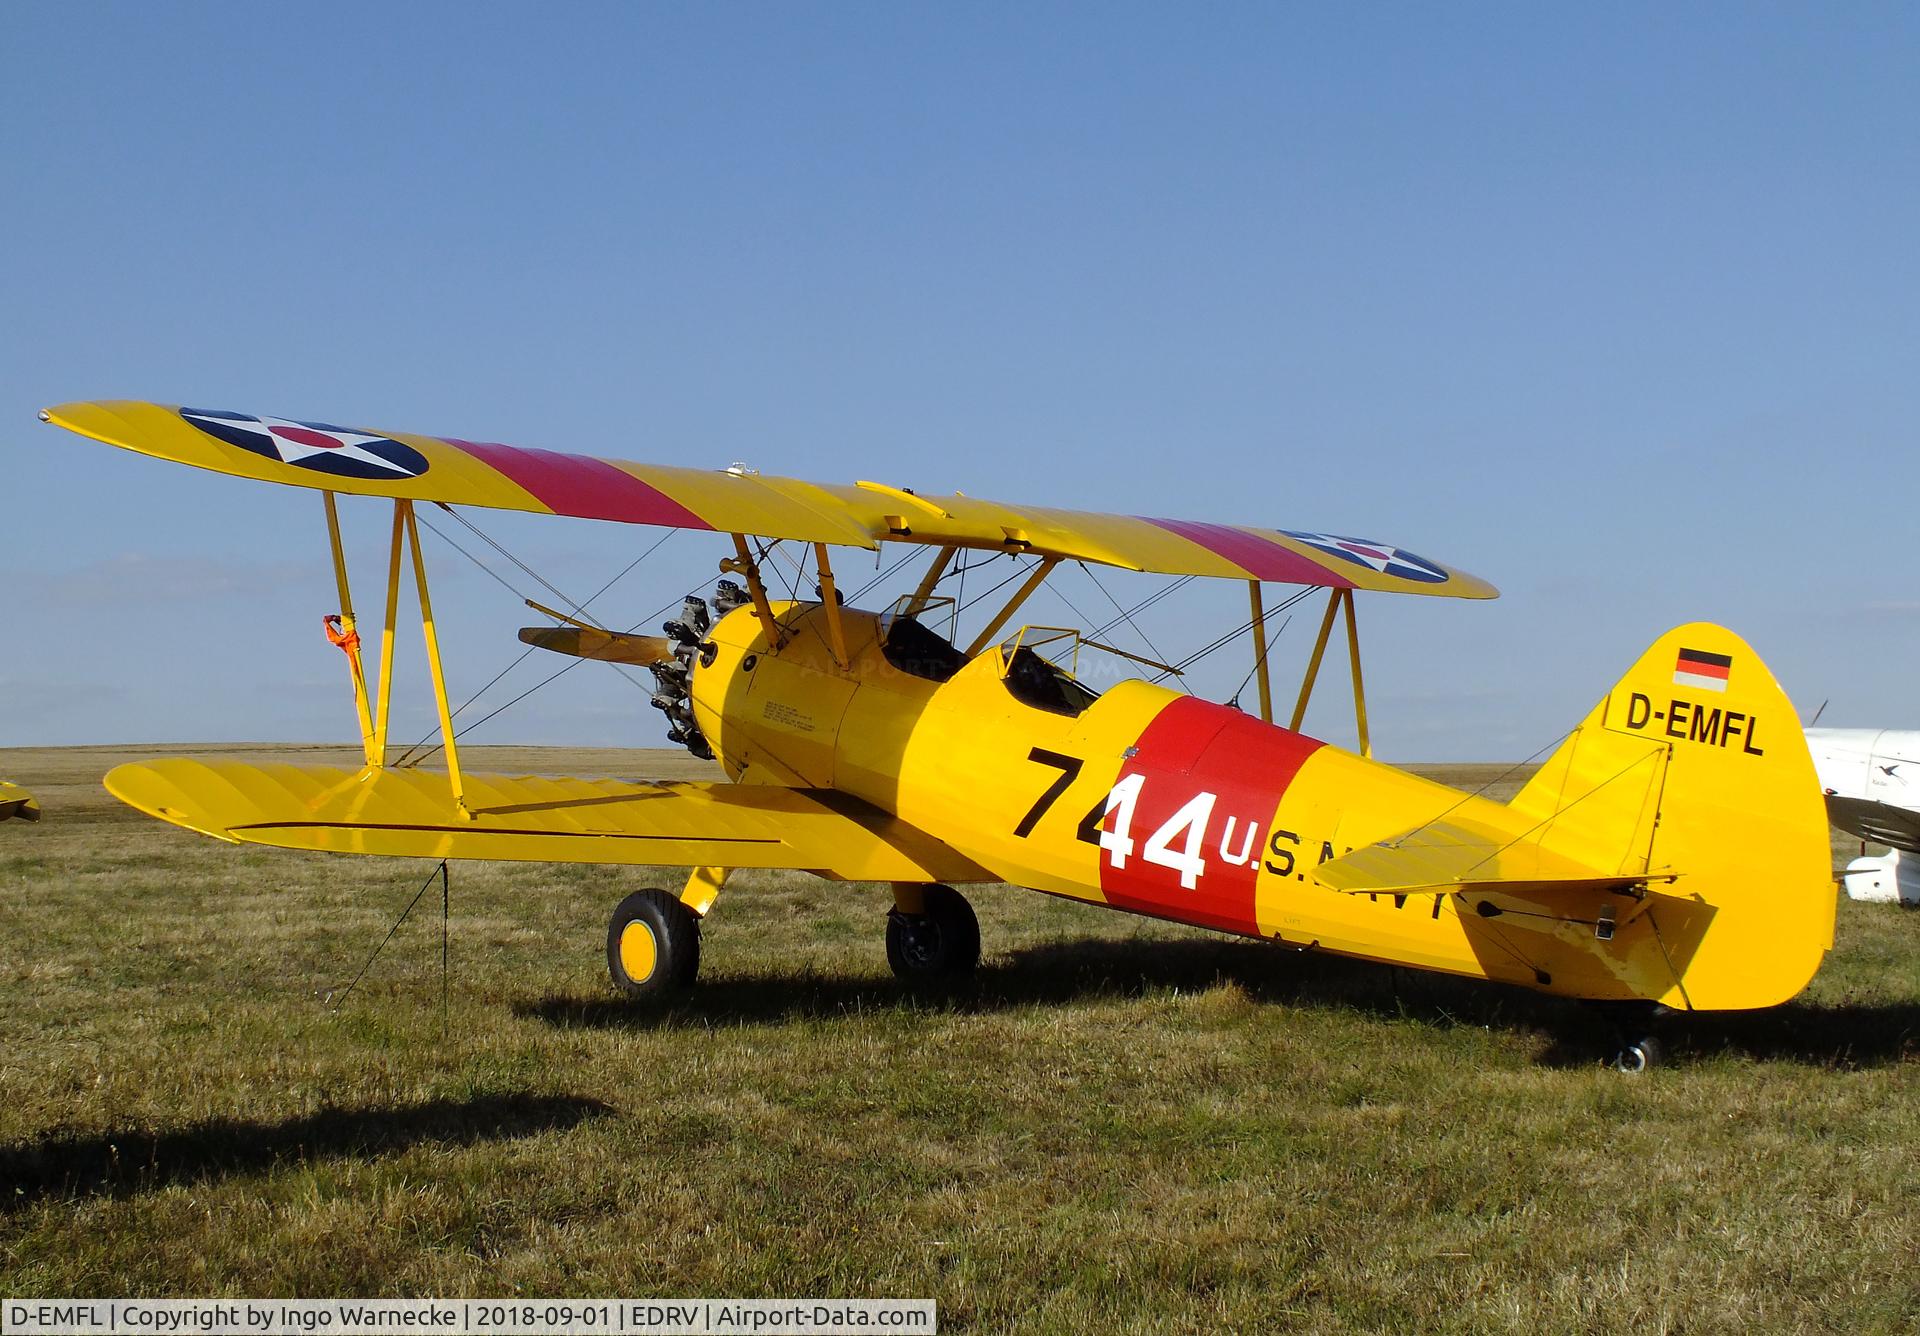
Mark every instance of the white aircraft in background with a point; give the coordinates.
(1871, 777)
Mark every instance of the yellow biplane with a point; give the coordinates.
(1671, 853)
(16, 801)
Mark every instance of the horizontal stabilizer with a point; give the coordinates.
(1443, 857)
(586, 642)
(412, 813)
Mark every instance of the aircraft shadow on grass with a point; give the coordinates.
(134, 1160)
(1569, 1034)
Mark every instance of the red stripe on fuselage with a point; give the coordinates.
(1261, 558)
(1194, 747)
(583, 487)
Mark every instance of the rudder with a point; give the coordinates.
(1694, 766)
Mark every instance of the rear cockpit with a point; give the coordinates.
(1035, 674)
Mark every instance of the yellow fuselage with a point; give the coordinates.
(1146, 800)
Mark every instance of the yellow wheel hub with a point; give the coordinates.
(638, 951)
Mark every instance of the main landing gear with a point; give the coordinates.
(653, 940)
(653, 945)
(932, 935)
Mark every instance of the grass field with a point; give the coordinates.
(1122, 1126)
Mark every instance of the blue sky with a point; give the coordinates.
(1612, 305)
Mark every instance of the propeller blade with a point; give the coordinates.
(585, 642)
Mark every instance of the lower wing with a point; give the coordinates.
(411, 813)
(1881, 823)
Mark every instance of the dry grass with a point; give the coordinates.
(1122, 1126)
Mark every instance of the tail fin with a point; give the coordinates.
(1694, 766)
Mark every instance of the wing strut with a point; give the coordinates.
(1359, 686)
(349, 636)
(928, 581)
(1020, 595)
(1336, 600)
(433, 663)
(743, 565)
(1260, 650)
(830, 600)
(377, 716)
(383, 711)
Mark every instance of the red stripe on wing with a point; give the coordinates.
(1261, 558)
(583, 487)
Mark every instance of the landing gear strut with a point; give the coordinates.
(932, 935)
(653, 945)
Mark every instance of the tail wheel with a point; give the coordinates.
(653, 945)
(1633, 1027)
(942, 942)
(1639, 1055)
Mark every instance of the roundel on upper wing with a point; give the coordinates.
(340, 451)
(1376, 556)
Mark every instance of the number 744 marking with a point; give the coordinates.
(1186, 828)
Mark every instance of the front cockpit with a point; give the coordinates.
(779, 707)
(913, 647)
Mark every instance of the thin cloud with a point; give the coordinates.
(142, 578)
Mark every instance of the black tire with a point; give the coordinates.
(653, 945)
(1640, 1055)
(942, 942)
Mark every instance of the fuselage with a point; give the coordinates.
(1863, 772)
(1871, 780)
(1141, 799)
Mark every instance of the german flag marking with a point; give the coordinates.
(1699, 668)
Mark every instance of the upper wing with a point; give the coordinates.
(16, 801)
(411, 813)
(475, 473)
